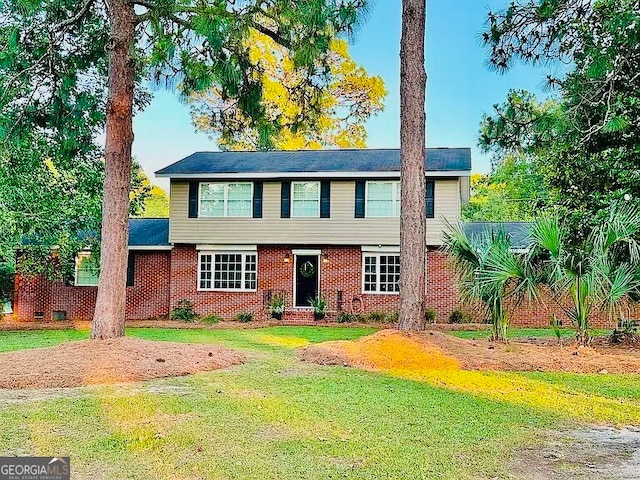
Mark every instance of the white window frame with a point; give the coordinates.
(213, 254)
(377, 256)
(225, 200)
(80, 256)
(395, 198)
(293, 189)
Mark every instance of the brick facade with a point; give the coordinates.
(163, 278)
(147, 298)
(340, 284)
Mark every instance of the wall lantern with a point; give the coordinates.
(325, 258)
(287, 258)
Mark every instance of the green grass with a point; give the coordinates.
(524, 333)
(10, 341)
(610, 386)
(273, 418)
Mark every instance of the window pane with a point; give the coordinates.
(250, 272)
(205, 271)
(222, 199)
(87, 273)
(305, 199)
(370, 264)
(380, 199)
(239, 200)
(389, 273)
(227, 270)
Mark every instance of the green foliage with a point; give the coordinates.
(7, 274)
(430, 315)
(244, 317)
(556, 327)
(601, 272)
(157, 204)
(319, 304)
(516, 190)
(458, 316)
(210, 319)
(349, 317)
(585, 141)
(277, 304)
(350, 98)
(184, 312)
(489, 271)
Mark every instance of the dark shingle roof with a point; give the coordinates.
(518, 232)
(149, 232)
(329, 161)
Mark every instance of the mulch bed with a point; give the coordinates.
(487, 355)
(92, 362)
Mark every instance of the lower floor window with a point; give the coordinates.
(87, 270)
(228, 271)
(381, 273)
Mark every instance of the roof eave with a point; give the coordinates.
(309, 174)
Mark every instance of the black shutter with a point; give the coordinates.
(285, 200)
(325, 199)
(429, 198)
(193, 199)
(257, 199)
(131, 268)
(360, 185)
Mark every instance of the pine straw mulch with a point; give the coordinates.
(92, 362)
(391, 350)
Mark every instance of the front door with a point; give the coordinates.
(306, 279)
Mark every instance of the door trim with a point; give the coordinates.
(305, 253)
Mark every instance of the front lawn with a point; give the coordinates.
(275, 418)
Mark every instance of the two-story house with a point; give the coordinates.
(244, 225)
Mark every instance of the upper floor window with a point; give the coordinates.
(383, 198)
(226, 199)
(87, 270)
(305, 199)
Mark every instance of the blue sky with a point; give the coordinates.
(460, 87)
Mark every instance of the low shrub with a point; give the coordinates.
(391, 317)
(347, 317)
(377, 317)
(430, 315)
(626, 333)
(184, 312)
(458, 316)
(244, 317)
(211, 319)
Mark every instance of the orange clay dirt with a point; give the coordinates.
(390, 350)
(91, 362)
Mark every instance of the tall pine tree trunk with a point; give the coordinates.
(108, 318)
(413, 79)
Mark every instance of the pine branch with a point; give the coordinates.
(76, 18)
